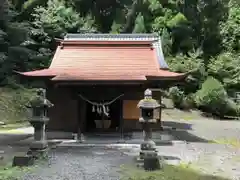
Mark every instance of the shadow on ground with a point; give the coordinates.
(187, 136)
(177, 125)
(182, 131)
(13, 139)
(169, 158)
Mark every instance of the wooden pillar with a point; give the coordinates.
(102, 121)
(81, 119)
(160, 110)
(121, 121)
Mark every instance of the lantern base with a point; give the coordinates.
(148, 145)
(38, 153)
(149, 160)
(148, 156)
(38, 145)
(151, 163)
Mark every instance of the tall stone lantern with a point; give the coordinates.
(39, 106)
(148, 153)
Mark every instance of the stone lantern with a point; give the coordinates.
(39, 106)
(148, 153)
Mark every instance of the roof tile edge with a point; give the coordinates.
(112, 37)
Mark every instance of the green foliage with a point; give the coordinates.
(230, 29)
(177, 20)
(177, 96)
(116, 28)
(180, 99)
(192, 64)
(213, 98)
(56, 19)
(139, 24)
(225, 68)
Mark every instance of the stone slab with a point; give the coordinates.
(151, 163)
(21, 161)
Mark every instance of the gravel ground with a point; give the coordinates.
(80, 163)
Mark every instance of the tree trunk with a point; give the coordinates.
(131, 17)
(2, 8)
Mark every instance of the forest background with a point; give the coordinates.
(198, 36)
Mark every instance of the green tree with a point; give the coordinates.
(14, 55)
(230, 29)
(226, 69)
(56, 19)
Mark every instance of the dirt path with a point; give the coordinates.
(221, 157)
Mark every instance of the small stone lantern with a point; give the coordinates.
(39, 106)
(148, 153)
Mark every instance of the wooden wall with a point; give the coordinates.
(68, 108)
(64, 115)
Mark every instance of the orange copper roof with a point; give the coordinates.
(76, 61)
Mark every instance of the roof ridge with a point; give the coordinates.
(124, 37)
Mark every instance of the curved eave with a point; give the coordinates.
(172, 77)
(167, 75)
(55, 75)
(38, 73)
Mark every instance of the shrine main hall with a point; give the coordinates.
(95, 81)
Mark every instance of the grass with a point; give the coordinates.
(169, 172)
(12, 173)
(229, 142)
(7, 172)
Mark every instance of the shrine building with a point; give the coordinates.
(95, 81)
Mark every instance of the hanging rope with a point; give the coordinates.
(101, 107)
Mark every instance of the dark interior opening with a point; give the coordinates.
(147, 113)
(114, 117)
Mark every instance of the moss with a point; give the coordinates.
(12, 173)
(12, 104)
(7, 172)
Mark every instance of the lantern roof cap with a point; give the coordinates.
(148, 104)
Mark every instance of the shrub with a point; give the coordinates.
(188, 102)
(232, 109)
(185, 64)
(213, 98)
(238, 111)
(180, 100)
(177, 96)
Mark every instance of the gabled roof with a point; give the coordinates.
(153, 38)
(107, 57)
